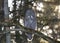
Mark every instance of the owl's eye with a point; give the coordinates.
(28, 16)
(31, 16)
